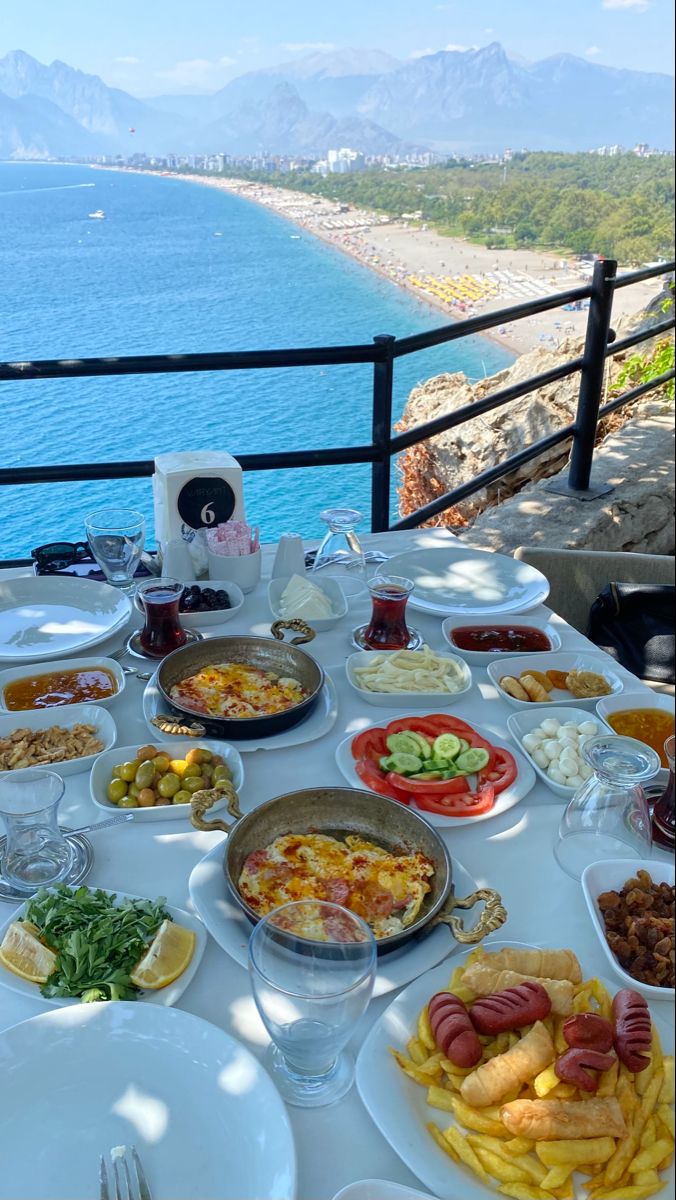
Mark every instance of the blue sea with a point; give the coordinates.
(177, 268)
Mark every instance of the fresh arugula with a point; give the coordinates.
(98, 942)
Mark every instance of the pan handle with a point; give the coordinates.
(202, 801)
(493, 916)
(295, 624)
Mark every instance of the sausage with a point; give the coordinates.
(453, 1031)
(511, 1009)
(588, 1031)
(574, 1065)
(633, 1030)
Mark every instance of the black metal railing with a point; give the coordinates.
(382, 353)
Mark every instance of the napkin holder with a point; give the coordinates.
(195, 490)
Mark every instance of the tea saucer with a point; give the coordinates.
(359, 639)
(133, 644)
(83, 860)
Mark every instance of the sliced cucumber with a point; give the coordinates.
(428, 775)
(472, 761)
(424, 743)
(446, 746)
(464, 745)
(403, 764)
(406, 743)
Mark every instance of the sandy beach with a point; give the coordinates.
(452, 275)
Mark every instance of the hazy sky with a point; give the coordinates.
(154, 46)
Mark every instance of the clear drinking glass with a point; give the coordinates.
(608, 816)
(341, 553)
(310, 993)
(116, 537)
(36, 854)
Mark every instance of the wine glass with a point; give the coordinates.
(340, 553)
(608, 816)
(116, 537)
(312, 967)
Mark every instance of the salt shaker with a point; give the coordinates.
(177, 561)
(290, 556)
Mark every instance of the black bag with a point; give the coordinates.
(634, 622)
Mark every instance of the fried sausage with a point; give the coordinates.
(588, 1031)
(453, 1031)
(511, 1009)
(633, 1030)
(549, 1120)
(574, 1067)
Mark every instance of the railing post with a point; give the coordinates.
(591, 387)
(383, 373)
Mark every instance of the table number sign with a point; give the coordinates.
(195, 490)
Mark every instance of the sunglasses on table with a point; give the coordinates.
(56, 556)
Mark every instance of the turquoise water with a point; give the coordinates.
(154, 278)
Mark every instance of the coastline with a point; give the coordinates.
(453, 276)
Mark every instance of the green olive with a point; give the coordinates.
(222, 772)
(193, 784)
(133, 790)
(207, 772)
(128, 770)
(116, 771)
(181, 797)
(161, 763)
(128, 802)
(192, 769)
(145, 775)
(168, 785)
(117, 789)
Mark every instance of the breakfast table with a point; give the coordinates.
(512, 853)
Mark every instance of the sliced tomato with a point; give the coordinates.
(429, 787)
(501, 772)
(445, 723)
(370, 744)
(470, 804)
(374, 779)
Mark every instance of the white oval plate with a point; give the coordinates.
(555, 662)
(228, 925)
(65, 717)
(102, 773)
(523, 784)
(407, 699)
(320, 721)
(205, 1117)
(204, 620)
(165, 996)
(398, 1105)
(521, 723)
(611, 875)
(49, 616)
(481, 657)
(469, 582)
(645, 698)
(65, 664)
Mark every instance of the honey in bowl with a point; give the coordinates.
(65, 686)
(649, 725)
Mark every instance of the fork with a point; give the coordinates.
(135, 1183)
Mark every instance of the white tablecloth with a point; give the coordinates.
(512, 853)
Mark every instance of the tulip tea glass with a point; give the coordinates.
(116, 537)
(608, 816)
(664, 813)
(312, 967)
(36, 854)
(387, 629)
(162, 631)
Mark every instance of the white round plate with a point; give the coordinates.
(204, 1116)
(524, 782)
(398, 1105)
(469, 582)
(177, 748)
(379, 1189)
(228, 925)
(320, 721)
(49, 616)
(65, 664)
(165, 996)
(65, 718)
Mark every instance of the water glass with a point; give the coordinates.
(312, 967)
(162, 631)
(608, 816)
(116, 537)
(36, 854)
(340, 553)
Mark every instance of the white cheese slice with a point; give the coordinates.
(301, 598)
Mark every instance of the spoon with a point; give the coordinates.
(118, 820)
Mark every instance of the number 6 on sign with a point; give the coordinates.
(207, 515)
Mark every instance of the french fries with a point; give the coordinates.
(623, 1168)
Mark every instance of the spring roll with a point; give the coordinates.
(484, 980)
(543, 964)
(500, 1075)
(549, 1120)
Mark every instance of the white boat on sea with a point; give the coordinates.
(99, 215)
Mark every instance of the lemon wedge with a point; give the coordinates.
(166, 957)
(23, 953)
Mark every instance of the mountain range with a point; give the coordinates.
(478, 100)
